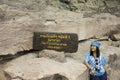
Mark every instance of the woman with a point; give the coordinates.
(96, 62)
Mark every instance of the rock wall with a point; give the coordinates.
(16, 30)
(19, 19)
(90, 19)
(115, 65)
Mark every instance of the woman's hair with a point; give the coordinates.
(97, 51)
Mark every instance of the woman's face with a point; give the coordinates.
(93, 48)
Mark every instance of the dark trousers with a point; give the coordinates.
(102, 77)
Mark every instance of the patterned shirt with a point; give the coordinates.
(96, 63)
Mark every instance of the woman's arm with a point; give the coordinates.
(87, 65)
(90, 68)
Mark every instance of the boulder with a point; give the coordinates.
(115, 66)
(2, 75)
(44, 69)
(57, 56)
(16, 31)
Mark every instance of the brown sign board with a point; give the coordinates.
(67, 42)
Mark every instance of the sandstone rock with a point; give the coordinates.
(115, 44)
(114, 61)
(84, 27)
(115, 66)
(17, 25)
(20, 18)
(26, 5)
(37, 5)
(41, 68)
(17, 35)
(2, 75)
(115, 73)
(82, 1)
(57, 56)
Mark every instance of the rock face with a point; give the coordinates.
(57, 56)
(90, 19)
(19, 19)
(115, 65)
(2, 75)
(45, 69)
(16, 30)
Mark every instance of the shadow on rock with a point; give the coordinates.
(55, 77)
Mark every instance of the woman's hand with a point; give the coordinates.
(92, 72)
